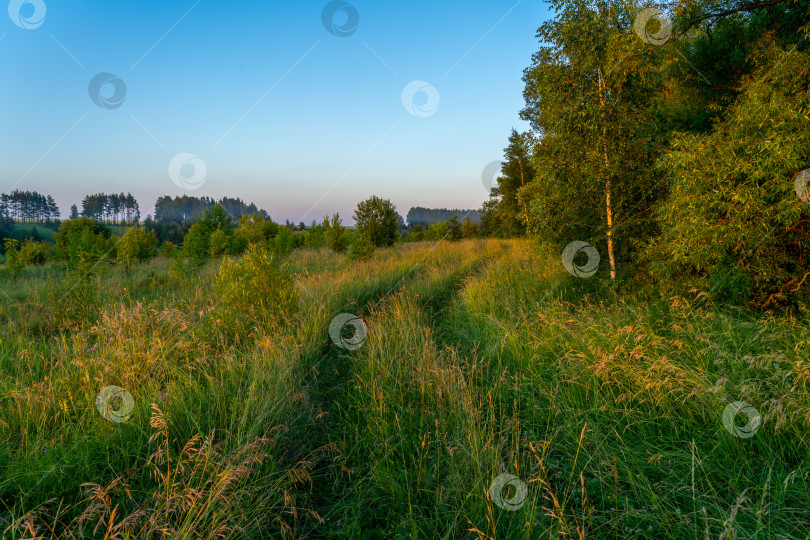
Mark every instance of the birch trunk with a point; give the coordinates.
(608, 203)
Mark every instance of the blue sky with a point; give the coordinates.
(280, 111)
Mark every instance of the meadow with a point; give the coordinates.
(481, 358)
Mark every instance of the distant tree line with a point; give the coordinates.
(28, 206)
(428, 216)
(187, 209)
(175, 216)
(215, 233)
(116, 209)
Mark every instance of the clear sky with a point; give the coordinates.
(279, 110)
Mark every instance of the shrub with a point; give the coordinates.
(469, 228)
(169, 249)
(219, 243)
(454, 229)
(334, 234)
(733, 206)
(19, 256)
(255, 292)
(81, 240)
(361, 249)
(14, 260)
(377, 219)
(438, 231)
(178, 270)
(417, 234)
(283, 243)
(215, 218)
(196, 243)
(314, 237)
(136, 245)
(34, 252)
(253, 229)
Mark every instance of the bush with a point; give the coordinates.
(82, 240)
(253, 229)
(334, 234)
(733, 206)
(377, 219)
(19, 256)
(454, 229)
(255, 292)
(314, 237)
(361, 249)
(215, 218)
(169, 249)
(178, 270)
(219, 243)
(14, 260)
(417, 234)
(34, 252)
(283, 244)
(469, 228)
(196, 243)
(136, 245)
(438, 231)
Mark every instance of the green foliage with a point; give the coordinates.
(362, 249)
(283, 243)
(489, 222)
(15, 263)
(454, 233)
(178, 269)
(169, 249)
(438, 231)
(469, 229)
(115, 208)
(416, 234)
(136, 245)
(421, 216)
(253, 229)
(620, 122)
(83, 239)
(196, 244)
(35, 253)
(588, 95)
(377, 219)
(335, 234)
(733, 209)
(314, 237)
(215, 218)
(219, 243)
(18, 256)
(517, 172)
(255, 292)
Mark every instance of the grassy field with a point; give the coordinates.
(481, 359)
(46, 232)
(26, 230)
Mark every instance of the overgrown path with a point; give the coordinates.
(332, 372)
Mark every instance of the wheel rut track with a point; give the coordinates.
(331, 372)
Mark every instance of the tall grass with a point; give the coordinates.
(610, 411)
(482, 358)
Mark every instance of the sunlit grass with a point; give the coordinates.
(482, 358)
